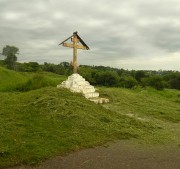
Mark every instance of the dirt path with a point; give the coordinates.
(119, 155)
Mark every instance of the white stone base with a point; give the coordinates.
(78, 84)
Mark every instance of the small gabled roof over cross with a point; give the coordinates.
(78, 37)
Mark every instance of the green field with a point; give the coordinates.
(39, 121)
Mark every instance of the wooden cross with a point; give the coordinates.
(75, 38)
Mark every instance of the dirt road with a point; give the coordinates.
(118, 155)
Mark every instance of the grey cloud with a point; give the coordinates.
(114, 30)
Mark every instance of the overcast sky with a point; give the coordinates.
(129, 34)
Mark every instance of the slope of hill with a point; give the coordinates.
(9, 79)
(38, 124)
(13, 81)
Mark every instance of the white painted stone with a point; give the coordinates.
(78, 84)
(99, 100)
(91, 95)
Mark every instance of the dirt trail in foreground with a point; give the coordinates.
(119, 155)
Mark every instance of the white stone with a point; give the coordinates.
(99, 100)
(78, 84)
(91, 95)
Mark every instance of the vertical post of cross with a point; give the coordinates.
(75, 41)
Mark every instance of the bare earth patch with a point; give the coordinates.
(118, 155)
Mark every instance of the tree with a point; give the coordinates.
(65, 64)
(139, 75)
(128, 82)
(108, 78)
(155, 81)
(10, 53)
(175, 83)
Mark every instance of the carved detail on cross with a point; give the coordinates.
(75, 38)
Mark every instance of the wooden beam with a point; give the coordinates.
(75, 53)
(66, 40)
(72, 40)
(81, 47)
(72, 46)
(68, 45)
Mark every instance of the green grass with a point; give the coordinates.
(48, 121)
(147, 103)
(42, 122)
(22, 81)
(9, 79)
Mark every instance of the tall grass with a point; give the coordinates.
(10, 79)
(16, 81)
(36, 82)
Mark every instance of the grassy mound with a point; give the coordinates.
(44, 122)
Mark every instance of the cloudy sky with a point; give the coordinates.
(129, 34)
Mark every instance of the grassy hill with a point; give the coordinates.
(15, 81)
(46, 121)
(9, 79)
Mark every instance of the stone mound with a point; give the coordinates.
(78, 84)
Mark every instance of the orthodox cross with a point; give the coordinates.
(75, 38)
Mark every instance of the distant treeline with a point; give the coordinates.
(107, 76)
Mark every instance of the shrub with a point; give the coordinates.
(36, 82)
(108, 78)
(128, 82)
(175, 83)
(155, 81)
(139, 75)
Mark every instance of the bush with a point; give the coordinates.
(175, 83)
(2, 63)
(128, 82)
(108, 78)
(89, 74)
(139, 75)
(28, 67)
(36, 82)
(155, 81)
